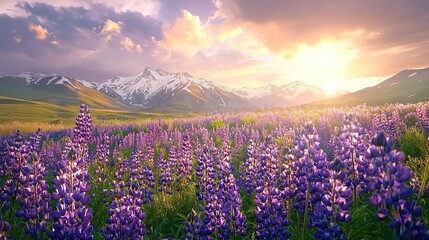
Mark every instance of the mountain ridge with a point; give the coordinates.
(160, 90)
(406, 86)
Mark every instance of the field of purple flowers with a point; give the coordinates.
(299, 173)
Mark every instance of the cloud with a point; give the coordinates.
(232, 42)
(144, 7)
(188, 34)
(41, 32)
(170, 10)
(111, 27)
(139, 48)
(285, 26)
(76, 39)
(17, 39)
(128, 44)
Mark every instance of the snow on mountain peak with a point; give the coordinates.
(288, 90)
(147, 83)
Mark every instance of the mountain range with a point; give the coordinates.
(155, 90)
(162, 91)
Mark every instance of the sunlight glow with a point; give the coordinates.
(330, 87)
(324, 63)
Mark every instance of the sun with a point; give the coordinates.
(324, 64)
(329, 87)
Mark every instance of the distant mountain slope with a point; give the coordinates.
(55, 89)
(155, 90)
(161, 90)
(407, 86)
(291, 94)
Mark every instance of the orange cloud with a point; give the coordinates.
(128, 45)
(187, 34)
(41, 32)
(111, 27)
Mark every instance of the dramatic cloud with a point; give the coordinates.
(41, 33)
(350, 44)
(187, 34)
(75, 39)
(284, 26)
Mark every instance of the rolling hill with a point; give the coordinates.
(55, 89)
(407, 86)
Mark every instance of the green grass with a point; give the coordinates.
(27, 116)
(414, 143)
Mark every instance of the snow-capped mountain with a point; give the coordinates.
(294, 93)
(40, 79)
(160, 89)
(157, 90)
(55, 89)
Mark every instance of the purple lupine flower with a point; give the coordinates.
(193, 226)
(35, 210)
(222, 211)
(102, 161)
(422, 117)
(14, 162)
(249, 169)
(184, 173)
(166, 174)
(386, 178)
(270, 212)
(126, 219)
(206, 173)
(147, 179)
(4, 229)
(72, 217)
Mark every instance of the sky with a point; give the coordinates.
(344, 44)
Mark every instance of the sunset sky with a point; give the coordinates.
(347, 44)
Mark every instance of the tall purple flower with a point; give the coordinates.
(184, 173)
(102, 161)
(166, 174)
(206, 173)
(270, 212)
(35, 210)
(14, 167)
(222, 211)
(125, 214)
(249, 169)
(72, 217)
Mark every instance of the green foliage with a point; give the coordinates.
(417, 165)
(420, 167)
(164, 217)
(414, 143)
(215, 124)
(126, 153)
(217, 141)
(365, 225)
(248, 120)
(411, 121)
(135, 129)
